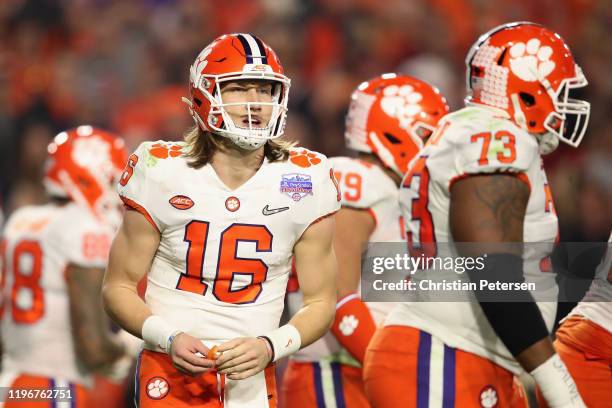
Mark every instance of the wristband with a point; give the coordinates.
(284, 341)
(157, 332)
(556, 384)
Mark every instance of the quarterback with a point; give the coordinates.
(480, 179)
(55, 334)
(216, 221)
(388, 121)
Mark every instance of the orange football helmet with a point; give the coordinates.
(528, 71)
(84, 164)
(392, 116)
(233, 57)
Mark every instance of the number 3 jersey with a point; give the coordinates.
(224, 256)
(366, 187)
(474, 140)
(40, 242)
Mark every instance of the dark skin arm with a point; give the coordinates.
(490, 209)
(90, 324)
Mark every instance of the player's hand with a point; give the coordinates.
(187, 354)
(243, 357)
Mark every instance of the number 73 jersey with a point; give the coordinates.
(224, 256)
(474, 140)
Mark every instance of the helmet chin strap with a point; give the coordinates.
(548, 142)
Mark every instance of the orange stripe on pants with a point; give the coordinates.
(302, 386)
(586, 350)
(396, 374)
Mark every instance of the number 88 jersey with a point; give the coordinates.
(224, 256)
(474, 140)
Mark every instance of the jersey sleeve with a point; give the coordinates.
(136, 187)
(325, 198)
(503, 149)
(358, 183)
(86, 243)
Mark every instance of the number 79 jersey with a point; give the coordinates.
(224, 256)
(474, 140)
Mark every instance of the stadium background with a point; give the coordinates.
(123, 65)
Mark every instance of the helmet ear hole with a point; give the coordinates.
(197, 101)
(392, 139)
(527, 98)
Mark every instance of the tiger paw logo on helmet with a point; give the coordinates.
(165, 150)
(157, 388)
(531, 61)
(304, 158)
(401, 102)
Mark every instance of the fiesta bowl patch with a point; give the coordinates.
(296, 185)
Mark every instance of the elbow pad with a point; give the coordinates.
(519, 324)
(353, 325)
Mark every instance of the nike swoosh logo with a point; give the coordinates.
(272, 211)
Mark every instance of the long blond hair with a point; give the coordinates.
(202, 145)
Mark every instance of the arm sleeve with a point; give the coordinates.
(136, 187)
(86, 243)
(358, 184)
(326, 192)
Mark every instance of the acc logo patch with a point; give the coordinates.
(181, 202)
(157, 388)
(296, 185)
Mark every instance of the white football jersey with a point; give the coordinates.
(597, 303)
(474, 140)
(224, 257)
(39, 244)
(364, 186)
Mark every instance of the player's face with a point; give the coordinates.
(251, 91)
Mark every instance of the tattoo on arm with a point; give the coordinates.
(506, 197)
(488, 208)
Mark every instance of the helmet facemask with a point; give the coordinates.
(571, 116)
(251, 136)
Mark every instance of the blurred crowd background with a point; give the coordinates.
(123, 65)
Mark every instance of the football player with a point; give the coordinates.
(584, 339)
(215, 222)
(480, 179)
(55, 332)
(388, 120)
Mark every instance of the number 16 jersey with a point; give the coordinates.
(223, 261)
